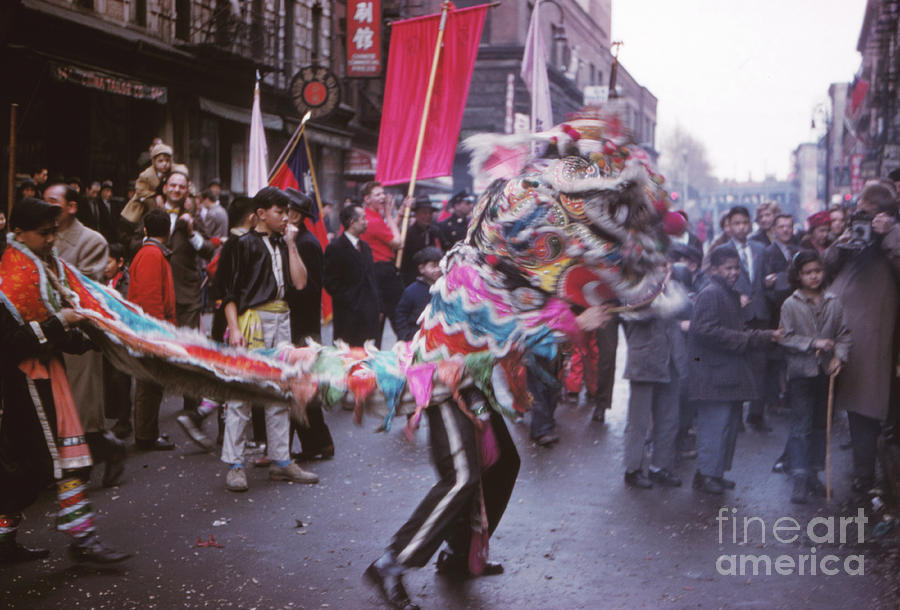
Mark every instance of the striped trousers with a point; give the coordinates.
(446, 512)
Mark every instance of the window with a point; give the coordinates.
(183, 19)
(139, 16)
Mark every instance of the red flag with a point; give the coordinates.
(409, 65)
(294, 172)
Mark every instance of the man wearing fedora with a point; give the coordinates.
(420, 234)
(306, 320)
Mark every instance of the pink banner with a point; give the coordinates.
(409, 65)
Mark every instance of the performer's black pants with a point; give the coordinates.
(446, 512)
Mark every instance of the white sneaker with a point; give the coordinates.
(236, 480)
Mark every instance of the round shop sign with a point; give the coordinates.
(316, 90)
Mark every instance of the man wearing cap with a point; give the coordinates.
(454, 228)
(420, 234)
(306, 320)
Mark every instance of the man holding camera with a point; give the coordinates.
(865, 264)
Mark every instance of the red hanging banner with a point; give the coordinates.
(363, 38)
(409, 65)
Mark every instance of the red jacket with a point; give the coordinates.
(151, 282)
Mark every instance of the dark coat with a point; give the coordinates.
(97, 215)
(417, 238)
(757, 312)
(774, 262)
(306, 304)
(654, 346)
(26, 467)
(413, 302)
(350, 280)
(718, 346)
(187, 268)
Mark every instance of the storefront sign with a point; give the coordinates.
(360, 163)
(363, 38)
(101, 81)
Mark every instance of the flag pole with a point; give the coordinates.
(291, 145)
(312, 173)
(445, 8)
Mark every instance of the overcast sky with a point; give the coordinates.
(742, 77)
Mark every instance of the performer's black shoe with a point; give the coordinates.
(13, 552)
(547, 440)
(389, 581)
(454, 564)
(91, 550)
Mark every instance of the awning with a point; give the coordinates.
(360, 163)
(238, 114)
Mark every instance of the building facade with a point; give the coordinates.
(96, 80)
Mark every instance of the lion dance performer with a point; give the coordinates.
(557, 245)
(41, 438)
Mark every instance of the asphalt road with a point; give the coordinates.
(573, 536)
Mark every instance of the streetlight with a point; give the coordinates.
(821, 110)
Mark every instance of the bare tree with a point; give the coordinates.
(682, 160)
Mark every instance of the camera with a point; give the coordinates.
(860, 231)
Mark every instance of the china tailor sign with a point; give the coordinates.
(363, 38)
(101, 81)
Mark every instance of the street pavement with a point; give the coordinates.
(573, 535)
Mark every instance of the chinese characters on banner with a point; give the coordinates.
(363, 38)
(856, 179)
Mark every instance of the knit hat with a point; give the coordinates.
(160, 149)
(818, 219)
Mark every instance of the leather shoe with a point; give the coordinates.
(547, 440)
(638, 479)
(92, 550)
(390, 583)
(707, 484)
(727, 483)
(160, 444)
(599, 415)
(13, 552)
(665, 478)
(454, 564)
(115, 462)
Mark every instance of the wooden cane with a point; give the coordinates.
(828, 437)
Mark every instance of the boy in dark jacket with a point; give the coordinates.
(416, 295)
(719, 375)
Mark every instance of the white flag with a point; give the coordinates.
(534, 73)
(257, 174)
